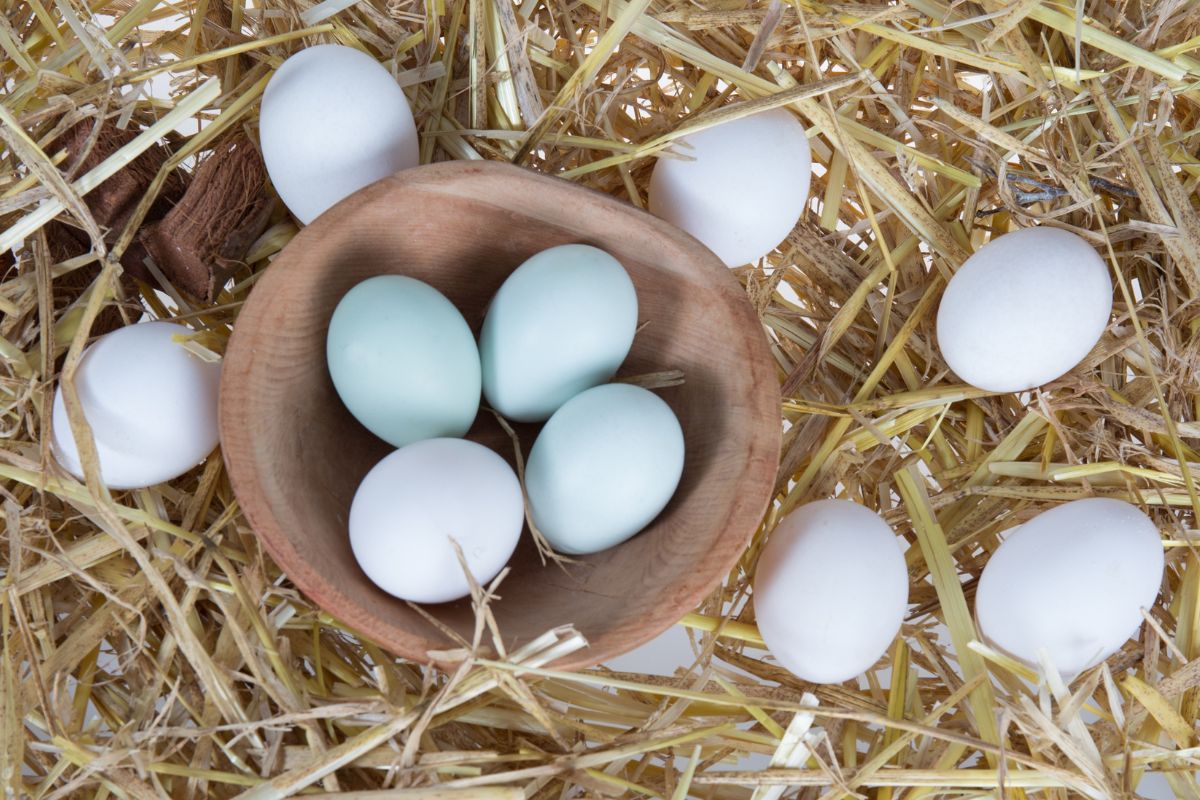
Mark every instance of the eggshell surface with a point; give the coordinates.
(603, 467)
(151, 405)
(1072, 583)
(561, 323)
(1025, 309)
(403, 360)
(740, 186)
(830, 590)
(416, 500)
(333, 121)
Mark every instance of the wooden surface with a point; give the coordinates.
(295, 455)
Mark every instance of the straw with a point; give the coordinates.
(150, 648)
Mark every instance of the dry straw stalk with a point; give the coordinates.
(149, 648)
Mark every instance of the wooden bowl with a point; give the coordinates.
(296, 455)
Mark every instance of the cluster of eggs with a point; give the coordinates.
(1066, 588)
(406, 365)
(333, 121)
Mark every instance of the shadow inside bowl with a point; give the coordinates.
(296, 455)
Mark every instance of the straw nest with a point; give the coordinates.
(151, 649)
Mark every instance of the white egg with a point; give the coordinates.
(830, 590)
(561, 323)
(1071, 583)
(742, 188)
(415, 501)
(333, 121)
(603, 467)
(151, 405)
(1025, 309)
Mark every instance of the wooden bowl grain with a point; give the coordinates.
(295, 455)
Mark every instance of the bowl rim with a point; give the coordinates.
(743, 515)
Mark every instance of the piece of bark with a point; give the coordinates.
(66, 243)
(113, 202)
(225, 208)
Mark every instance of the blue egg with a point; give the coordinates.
(603, 467)
(404, 361)
(563, 322)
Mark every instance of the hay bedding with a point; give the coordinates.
(150, 648)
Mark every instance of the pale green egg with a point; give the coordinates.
(403, 360)
(563, 322)
(603, 468)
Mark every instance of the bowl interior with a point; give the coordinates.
(296, 455)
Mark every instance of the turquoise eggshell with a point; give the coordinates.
(605, 464)
(563, 322)
(403, 360)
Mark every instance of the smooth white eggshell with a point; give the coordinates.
(1071, 582)
(742, 188)
(333, 121)
(830, 590)
(1025, 309)
(151, 405)
(561, 323)
(603, 467)
(413, 502)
